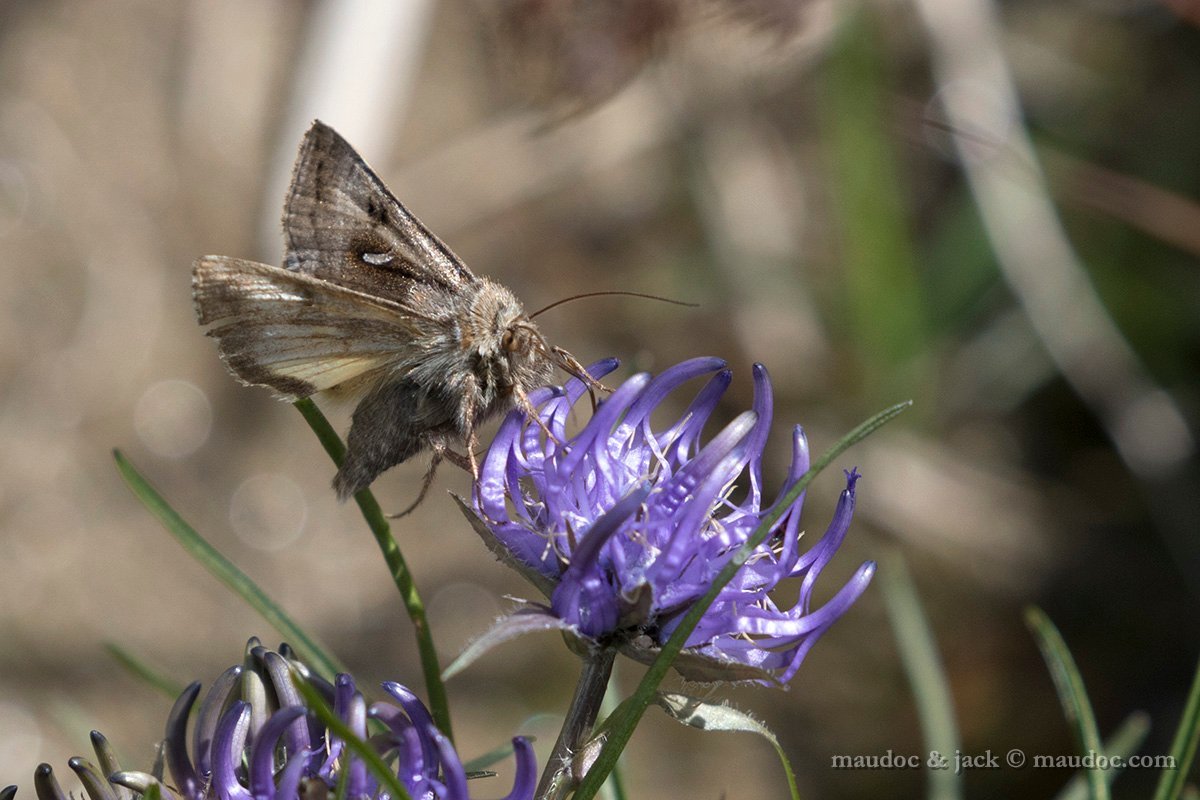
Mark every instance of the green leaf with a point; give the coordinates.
(1183, 748)
(926, 676)
(627, 716)
(707, 716)
(143, 671)
(365, 752)
(439, 704)
(533, 619)
(616, 784)
(226, 572)
(1124, 743)
(1071, 694)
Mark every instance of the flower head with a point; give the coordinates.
(255, 739)
(626, 524)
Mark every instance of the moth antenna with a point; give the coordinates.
(557, 303)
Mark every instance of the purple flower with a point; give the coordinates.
(625, 525)
(254, 739)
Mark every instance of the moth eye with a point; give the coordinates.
(377, 259)
(508, 341)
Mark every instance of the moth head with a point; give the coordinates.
(508, 351)
(521, 338)
(524, 348)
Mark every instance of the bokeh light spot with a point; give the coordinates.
(173, 418)
(268, 511)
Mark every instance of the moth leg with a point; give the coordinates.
(439, 450)
(531, 412)
(471, 440)
(472, 446)
(457, 459)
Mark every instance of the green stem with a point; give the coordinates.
(439, 705)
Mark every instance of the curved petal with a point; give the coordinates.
(182, 771)
(525, 781)
(229, 740)
(218, 697)
(421, 719)
(261, 766)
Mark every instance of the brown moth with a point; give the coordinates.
(370, 304)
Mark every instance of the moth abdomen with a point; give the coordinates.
(391, 424)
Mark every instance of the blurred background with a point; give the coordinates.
(987, 208)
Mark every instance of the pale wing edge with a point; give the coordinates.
(295, 334)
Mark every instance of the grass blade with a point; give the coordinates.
(926, 676)
(147, 674)
(226, 571)
(877, 261)
(1071, 694)
(1124, 743)
(365, 752)
(1183, 748)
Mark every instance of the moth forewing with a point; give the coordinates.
(369, 298)
(293, 333)
(342, 224)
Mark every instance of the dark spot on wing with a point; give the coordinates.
(377, 211)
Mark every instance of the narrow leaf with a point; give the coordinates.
(926, 676)
(533, 619)
(1183, 748)
(439, 704)
(717, 717)
(225, 570)
(366, 753)
(626, 718)
(1071, 694)
(139, 669)
(616, 783)
(1124, 743)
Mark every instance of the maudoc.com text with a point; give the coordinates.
(1015, 758)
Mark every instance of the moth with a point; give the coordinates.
(369, 304)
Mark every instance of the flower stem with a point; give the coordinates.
(439, 705)
(560, 774)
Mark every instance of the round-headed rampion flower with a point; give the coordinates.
(625, 525)
(255, 739)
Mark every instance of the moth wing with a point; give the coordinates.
(341, 224)
(294, 333)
